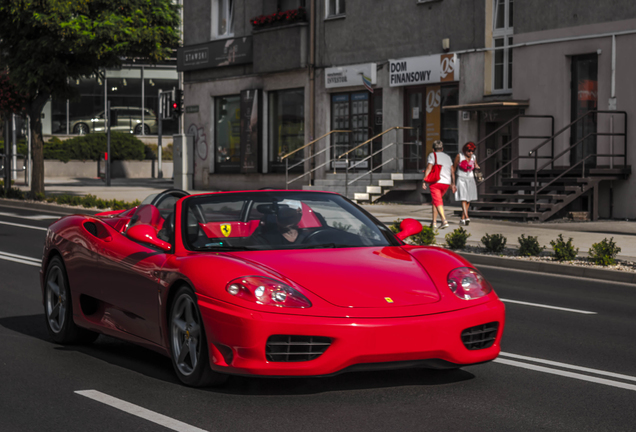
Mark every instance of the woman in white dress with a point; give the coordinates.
(464, 166)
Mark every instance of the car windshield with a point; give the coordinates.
(278, 220)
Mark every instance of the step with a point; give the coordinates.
(352, 175)
(386, 183)
(543, 180)
(531, 188)
(407, 176)
(494, 196)
(375, 190)
(361, 196)
(501, 214)
(512, 205)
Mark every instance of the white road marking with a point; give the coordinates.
(31, 217)
(567, 374)
(549, 307)
(36, 262)
(138, 411)
(569, 366)
(23, 226)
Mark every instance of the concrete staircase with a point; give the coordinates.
(369, 190)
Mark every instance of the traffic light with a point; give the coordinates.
(177, 104)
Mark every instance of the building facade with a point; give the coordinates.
(263, 78)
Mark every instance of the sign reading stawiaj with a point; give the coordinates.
(226, 52)
(431, 69)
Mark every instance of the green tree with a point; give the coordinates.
(46, 44)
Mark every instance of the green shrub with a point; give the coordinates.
(604, 253)
(425, 237)
(457, 239)
(563, 251)
(151, 152)
(529, 246)
(395, 226)
(495, 243)
(92, 147)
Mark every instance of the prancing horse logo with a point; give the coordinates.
(226, 229)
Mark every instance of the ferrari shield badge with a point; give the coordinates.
(388, 299)
(226, 229)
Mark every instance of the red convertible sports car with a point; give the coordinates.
(270, 283)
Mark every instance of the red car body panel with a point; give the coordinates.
(122, 288)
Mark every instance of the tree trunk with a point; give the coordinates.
(34, 110)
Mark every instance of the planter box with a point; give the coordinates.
(89, 169)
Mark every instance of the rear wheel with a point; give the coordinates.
(58, 307)
(138, 129)
(189, 348)
(81, 129)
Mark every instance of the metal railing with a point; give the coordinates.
(611, 155)
(13, 169)
(308, 158)
(508, 144)
(372, 154)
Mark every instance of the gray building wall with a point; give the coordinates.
(377, 30)
(538, 15)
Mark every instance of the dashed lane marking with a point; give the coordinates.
(36, 262)
(23, 226)
(138, 411)
(569, 366)
(549, 307)
(30, 217)
(573, 375)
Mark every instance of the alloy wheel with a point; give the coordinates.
(55, 299)
(186, 334)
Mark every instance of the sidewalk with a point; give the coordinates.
(584, 234)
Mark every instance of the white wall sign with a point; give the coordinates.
(424, 70)
(348, 76)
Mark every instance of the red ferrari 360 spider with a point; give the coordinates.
(270, 283)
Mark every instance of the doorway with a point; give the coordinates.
(494, 143)
(584, 98)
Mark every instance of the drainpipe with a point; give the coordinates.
(312, 78)
(612, 106)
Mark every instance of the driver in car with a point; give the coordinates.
(288, 219)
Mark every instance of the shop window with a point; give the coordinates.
(86, 113)
(350, 111)
(228, 133)
(503, 31)
(335, 8)
(222, 18)
(450, 120)
(286, 128)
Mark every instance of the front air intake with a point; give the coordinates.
(288, 348)
(481, 336)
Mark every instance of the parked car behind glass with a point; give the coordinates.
(124, 119)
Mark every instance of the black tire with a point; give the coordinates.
(58, 307)
(81, 129)
(188, 344)
(138, 129)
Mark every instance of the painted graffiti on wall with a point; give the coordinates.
(200, 141)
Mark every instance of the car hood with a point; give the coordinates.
(366, 277)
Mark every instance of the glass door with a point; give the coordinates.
(351, 111)
(584, 99)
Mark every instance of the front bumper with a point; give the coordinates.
(237, 338)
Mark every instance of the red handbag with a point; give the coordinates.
(433, 176)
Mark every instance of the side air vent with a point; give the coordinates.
(91, 228)
(481, 336)
(287, 348)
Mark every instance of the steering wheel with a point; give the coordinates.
(314, 235)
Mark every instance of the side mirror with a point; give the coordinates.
(408, 228)
(147, 234)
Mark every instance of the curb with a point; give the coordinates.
(49, 207)
(550, 268)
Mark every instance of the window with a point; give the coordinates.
(222, 18)
(335, 8)
(286, 128)
(502, 38)
(228, 134)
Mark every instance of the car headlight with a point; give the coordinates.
(266, 291)
(467, 283)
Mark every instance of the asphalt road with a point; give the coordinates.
(560, 370)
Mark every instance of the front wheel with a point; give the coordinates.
(138, 129)
(189, 347)
(81, 129)
(58, 307)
